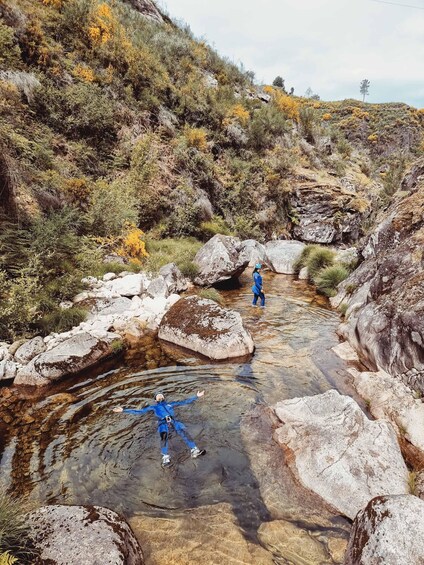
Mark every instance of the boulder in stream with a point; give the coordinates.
(282, 255)
(337, 452)
(203, 326)
(69, 357)
(220, 260)
(389, 531)
(87, 535)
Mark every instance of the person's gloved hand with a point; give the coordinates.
(118, 409)
(200, 393)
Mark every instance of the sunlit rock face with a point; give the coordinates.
(338, 453)
(385, 295)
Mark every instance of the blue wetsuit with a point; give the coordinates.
(164, 412)
(257, 289)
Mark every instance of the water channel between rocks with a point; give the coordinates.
(68, 447)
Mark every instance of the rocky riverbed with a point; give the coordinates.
(293, 452)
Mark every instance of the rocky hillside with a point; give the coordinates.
(113, 120)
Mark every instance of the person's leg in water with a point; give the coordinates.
(194, 450)
(164, 437)
(255, 299)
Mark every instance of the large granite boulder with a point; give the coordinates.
(389, 531)
(385, 296)
(337, 452)
(207, 534)
(282, 255)
(203, 326)
(254, 252)
(8, 370)
(219, 260)
(69, 357)
(87, 535)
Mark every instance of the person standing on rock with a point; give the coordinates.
(164, 412)
(257, 286)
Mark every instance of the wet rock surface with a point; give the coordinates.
(338, 453)
(87, 535)
(220, 260)
(205, 327)
(389, 531)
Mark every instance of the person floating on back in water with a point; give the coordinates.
(164, 412)
(257, 286)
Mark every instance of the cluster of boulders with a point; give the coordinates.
(118, 306)
(355, 465)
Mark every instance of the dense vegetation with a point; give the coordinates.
(113, 125)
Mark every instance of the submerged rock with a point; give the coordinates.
(208, 534)
(282, 255)
(219, 260)
(389, 531)
(69, 357)
(292, 543)
(337, 452)
(203, 326)
(87, 535)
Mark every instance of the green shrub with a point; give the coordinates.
(62, 320)
(79, 110)
(179, 250)
(328, 279)
(343, 308)
(10, 54)
(110, 207)
(308, 122)
(211, 294)
(189, 269)
(302, 261)
(246, 228)
(319, 258)
(267, 123)
(15, 529)
(216, 225)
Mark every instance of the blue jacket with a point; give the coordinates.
(161, 409)
(257, 287)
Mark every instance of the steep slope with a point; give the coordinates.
(115, 119)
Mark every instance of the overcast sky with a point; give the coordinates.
(328, 45)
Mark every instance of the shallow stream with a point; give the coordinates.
(69, 447)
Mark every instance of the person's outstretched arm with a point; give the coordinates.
(187, 400)
(133, 410)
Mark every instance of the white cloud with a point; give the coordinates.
(329, 45)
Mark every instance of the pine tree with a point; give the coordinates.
(364, 88)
